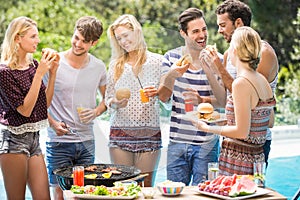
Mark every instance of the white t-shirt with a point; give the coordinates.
(74, 88)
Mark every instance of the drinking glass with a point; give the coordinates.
(213, 170)
(259, 173)
(79, 109)
(78, 175)
(188, 104)
(144, 99)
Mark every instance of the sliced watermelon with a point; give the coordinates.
(243, 186)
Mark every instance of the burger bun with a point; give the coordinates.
(123, 93)
(205, 108)
(211, 48)
(186, 59)
(206, 111)
(52, 52)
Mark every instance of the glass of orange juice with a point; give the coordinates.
(144, 98)
(78, 175)
(79, 109)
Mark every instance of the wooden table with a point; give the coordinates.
(190, 193)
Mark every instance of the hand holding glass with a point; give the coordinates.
(148, 91)
(188, 102)
(85, 114)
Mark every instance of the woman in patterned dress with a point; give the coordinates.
(135, 135)
(23, 109)
(248, 109)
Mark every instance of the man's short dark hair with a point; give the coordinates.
(188, 15)
(235, 9)
(89, 27)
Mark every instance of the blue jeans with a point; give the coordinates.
(267, 149)
(62, 154)
(188, 162)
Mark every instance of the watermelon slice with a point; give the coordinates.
(243, 186)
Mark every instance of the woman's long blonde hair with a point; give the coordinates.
(9, 49)
(119, 55)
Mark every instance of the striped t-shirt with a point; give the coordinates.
(182, 131)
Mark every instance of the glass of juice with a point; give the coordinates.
(79, 109)
(188, 105)
(78, 175)
(259, 173)
(213, 170)
(144, 98)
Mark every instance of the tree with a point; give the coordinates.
(288, 95)
(56, 20)
(274, 21)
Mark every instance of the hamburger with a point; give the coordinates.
(122, 93)
(52, 52)
(206, 111)
(211, 47)
(186, 59)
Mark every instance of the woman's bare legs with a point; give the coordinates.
(38, 178)
(14, 170)
(147, 162)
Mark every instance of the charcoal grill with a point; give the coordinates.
(65, 179)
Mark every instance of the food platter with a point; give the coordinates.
(91, 196)
(194, 115)
(259, 192)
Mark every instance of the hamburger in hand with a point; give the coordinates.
(211, 48)
(53, 53)
(186, 59)
(206, 111)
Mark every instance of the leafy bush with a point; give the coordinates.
(288, 105)
(288, 93)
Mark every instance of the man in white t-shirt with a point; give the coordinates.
(80, 76)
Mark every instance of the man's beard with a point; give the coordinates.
(78, 54)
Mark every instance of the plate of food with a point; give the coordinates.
(259, 192)
(118, 191)
(233, 187)
(205, 112)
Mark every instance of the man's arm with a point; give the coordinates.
(59, 127)
(165, 90)
(217, 87)
(222, 72)
(101, 108)
(167, 81)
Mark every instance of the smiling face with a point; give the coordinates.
(125, 38)
(79, 45)
(29, 41)
(226, 26)
(196, 34)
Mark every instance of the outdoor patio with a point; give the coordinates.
(285, 154)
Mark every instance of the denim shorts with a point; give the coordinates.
(26, 143)
(63, 154)
(186, 162)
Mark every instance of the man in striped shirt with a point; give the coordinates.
(190, 150)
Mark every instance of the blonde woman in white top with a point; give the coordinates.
(135, 135)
